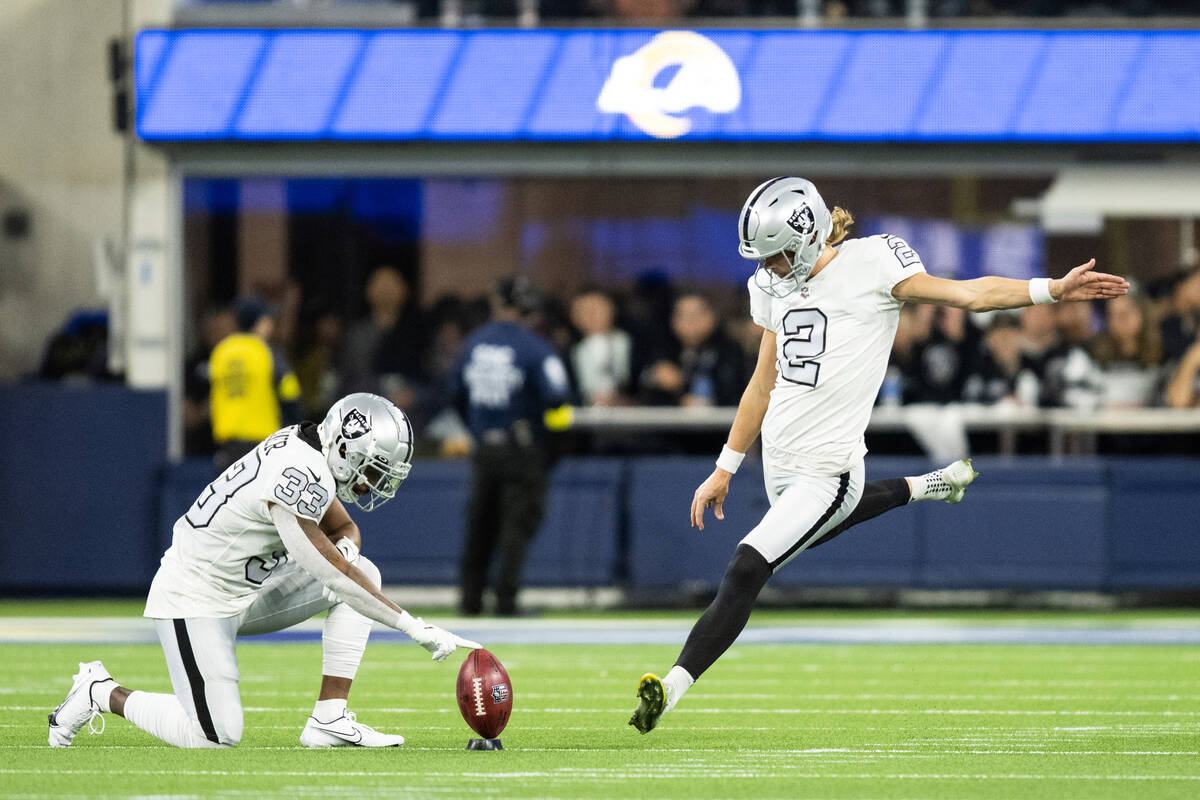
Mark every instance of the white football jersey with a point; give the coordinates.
(833, 339)
(226, 544)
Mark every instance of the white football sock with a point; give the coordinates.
(101, 692)
(329, 710)
(930, 486)
(677, 682)
(162, 716)
(343, 640)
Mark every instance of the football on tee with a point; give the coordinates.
(485, 695)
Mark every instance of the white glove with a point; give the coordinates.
(437, 641)
(350, 553)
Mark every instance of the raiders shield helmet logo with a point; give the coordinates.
(355, 424)
(802, 220)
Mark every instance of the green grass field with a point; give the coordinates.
(768, 721)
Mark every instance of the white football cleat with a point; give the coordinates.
(958, 477)
(345, 731)
(77, 708)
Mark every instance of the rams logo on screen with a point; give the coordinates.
(706, 78)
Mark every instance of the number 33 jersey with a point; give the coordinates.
(833, 337)
(226, 544)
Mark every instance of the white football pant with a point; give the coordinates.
(803, 509)
(206, 709)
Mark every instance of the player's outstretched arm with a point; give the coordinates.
(311, 548)
(746, 425)
(992, 293)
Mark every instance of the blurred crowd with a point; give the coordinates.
(841, 9)
(651, 345)
(659, 344)
(551, 10)
(1136, 351)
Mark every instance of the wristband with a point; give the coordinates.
(406, 623)
(347, 548)
(730, 459)
(1039, 291)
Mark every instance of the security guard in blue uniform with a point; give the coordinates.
(514, 388)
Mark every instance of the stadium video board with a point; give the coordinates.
(644, 85)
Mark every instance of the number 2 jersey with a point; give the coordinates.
(226, 544)
(833, 339)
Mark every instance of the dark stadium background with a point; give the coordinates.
(126, 232)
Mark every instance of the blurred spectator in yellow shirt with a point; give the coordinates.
(254, 391)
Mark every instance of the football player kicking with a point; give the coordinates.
(265, 546)
(830, 310)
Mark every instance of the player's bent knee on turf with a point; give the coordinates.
(265, 546)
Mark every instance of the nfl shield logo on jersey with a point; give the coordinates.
(355, 424)
(802, 220)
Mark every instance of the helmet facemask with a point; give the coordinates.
(381, 478)
(800, 261)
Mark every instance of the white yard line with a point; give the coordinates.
(622, 696)
(710, 710)
(655, 631)
(656, 772)
(1037, 734)
(740, 753)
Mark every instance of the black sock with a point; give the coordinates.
(725, 617)
(877, 497)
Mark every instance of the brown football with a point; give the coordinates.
(485, 695)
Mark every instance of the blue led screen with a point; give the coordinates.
(629, 85)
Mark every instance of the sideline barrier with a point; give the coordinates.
(91, 505)
(80, 470)
(1070, 431)
(1028, 525)
(418, 536)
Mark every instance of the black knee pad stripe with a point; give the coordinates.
(196, 681)
(838, 499)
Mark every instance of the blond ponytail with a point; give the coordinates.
(841, 225)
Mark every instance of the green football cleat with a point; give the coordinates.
(652, 699)
(958, 476)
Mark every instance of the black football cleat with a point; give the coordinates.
(652, 699)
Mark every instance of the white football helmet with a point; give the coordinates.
(784, 215)
(367, 441)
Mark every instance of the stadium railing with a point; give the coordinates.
(103, 513)
(1070, 431)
